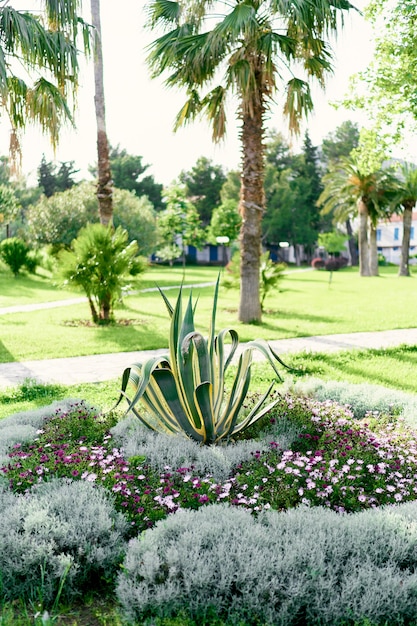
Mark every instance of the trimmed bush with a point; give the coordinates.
(299, 567)
(335, 263)
(60, 533)
(317, 263)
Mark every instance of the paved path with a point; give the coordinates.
(102, 367)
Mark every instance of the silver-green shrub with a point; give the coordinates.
(362, 398)
(299, 567)
(61, 531)
(178, 451)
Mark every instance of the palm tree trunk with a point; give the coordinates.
(404, 269)
(373, 251)
(251, 207)
(105, 183)
(364, 269)
(352, 244)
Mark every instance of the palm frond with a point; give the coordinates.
(298, 102)
(214, 104)
(163, 12)
(48, 107)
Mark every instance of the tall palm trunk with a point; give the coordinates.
(105, 183)
(251, 207)
(373, 251)
(364, 269)
(352, 244)
(404, 269)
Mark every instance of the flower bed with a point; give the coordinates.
(304, 453)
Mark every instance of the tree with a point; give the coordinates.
(333, 242)
(386, 89)
(179, 224)
(308, 187)
(292, 187)
(9, 207)
(47, 47)
(104, 181)
(203, 185)
(252, 42)
(128, 170)
(339, 144)
(52, 180)
(405, 199)
(57, 220)
(225, 222)
(127, 173)
(231, 187)
(350, 188)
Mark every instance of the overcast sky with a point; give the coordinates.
(140, 112)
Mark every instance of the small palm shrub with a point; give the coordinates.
(184, 391)
(14, 253)
(100, 262)
(270, 274)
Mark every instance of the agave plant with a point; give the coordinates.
(184, 391)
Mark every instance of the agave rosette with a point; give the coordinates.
(184, 391)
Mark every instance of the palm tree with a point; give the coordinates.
(47, 49)
(251, 45)
(405, 200)
(349, 190)
(105, 182)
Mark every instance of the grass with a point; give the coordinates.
(395, 368)
(307, 304)
(40, 287)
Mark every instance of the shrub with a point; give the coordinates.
(14, 252)
(57, 220)
(184, 391)
(302, 566)
(100, 262)
(270, 274)
(335, 263)
(60, 533)
(318, 263)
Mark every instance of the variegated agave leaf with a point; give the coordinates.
(184, 391)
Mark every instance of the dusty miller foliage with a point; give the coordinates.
(309, 566)
(176, 451)
(361, 398)
(61, 532)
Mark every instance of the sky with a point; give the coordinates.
(140, 111)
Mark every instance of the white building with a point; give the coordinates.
(389, 237)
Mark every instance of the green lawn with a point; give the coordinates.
(39, 287)
(306, 304)
(395, 368)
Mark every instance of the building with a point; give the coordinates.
(389, 235)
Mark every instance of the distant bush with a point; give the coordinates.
(335, 263)
(14, 253)
(317, 263)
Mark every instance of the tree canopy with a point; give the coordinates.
(203, 185)
(39, 64)
(254, 47)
